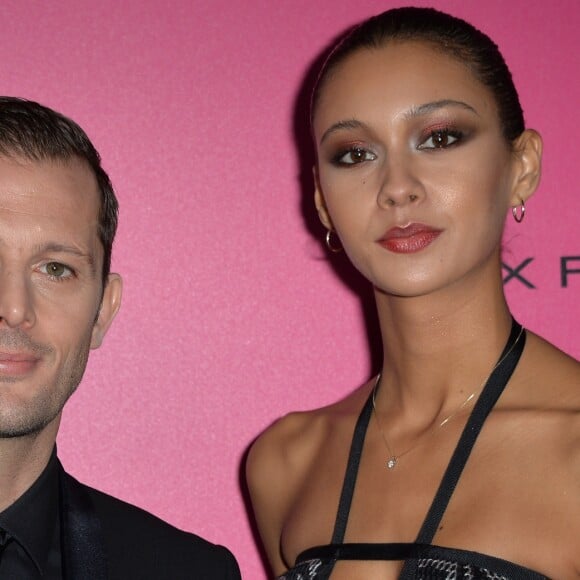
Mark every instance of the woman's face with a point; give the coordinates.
(413, 171)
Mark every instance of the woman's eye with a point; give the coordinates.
(441, 139)
(354, 156)
(56, 270)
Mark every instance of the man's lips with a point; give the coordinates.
(17, 363)
(409, 239)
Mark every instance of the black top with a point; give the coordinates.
(61, 529)
(104, 538)
(422, 559)
(31, 525)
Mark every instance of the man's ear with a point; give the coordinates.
(527, 150)
(320, 203)
(110, 305)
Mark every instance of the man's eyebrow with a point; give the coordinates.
(427, 108)
(417, 111)
(64, 249)
(348, 124)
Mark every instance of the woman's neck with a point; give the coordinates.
(439, 348)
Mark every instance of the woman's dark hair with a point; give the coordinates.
(38, 133)
(446, 33)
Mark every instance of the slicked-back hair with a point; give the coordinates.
(446, 33)
(35, 132)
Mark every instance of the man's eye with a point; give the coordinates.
(56, 270)
(354, 156)
(441, 139)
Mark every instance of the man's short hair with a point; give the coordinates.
(32, 131)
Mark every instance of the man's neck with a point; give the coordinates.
(22, 460)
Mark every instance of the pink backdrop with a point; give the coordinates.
(231, 315)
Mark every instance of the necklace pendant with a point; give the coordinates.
(392, 462)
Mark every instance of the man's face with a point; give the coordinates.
(53, 308)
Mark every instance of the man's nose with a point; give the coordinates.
(16, 301)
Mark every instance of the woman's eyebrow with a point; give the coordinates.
(435, 106)
(348, 124)
(415, 111)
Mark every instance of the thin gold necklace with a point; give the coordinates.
(393, 458)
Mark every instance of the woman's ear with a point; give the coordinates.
(110, 304)
(527, 149)
(320, 203)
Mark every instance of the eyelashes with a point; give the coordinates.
(441, 138)
(353, 155)
(433, 139)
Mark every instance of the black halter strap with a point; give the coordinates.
(351, 474)
(491, 391)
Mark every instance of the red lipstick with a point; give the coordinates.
(410, 239)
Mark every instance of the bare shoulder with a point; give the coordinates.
(552, 379)
(283, 449)
(550, 388)
(279, 463)
(280, 457)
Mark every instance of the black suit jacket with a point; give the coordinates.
(103, 538)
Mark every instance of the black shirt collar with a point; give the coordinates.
(31, 519)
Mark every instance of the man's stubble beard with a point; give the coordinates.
(31, 416)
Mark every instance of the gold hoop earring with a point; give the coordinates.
(519, 216)
(333, 249)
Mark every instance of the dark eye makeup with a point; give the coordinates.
(437, 136)
(441, 138)
(352, 155)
